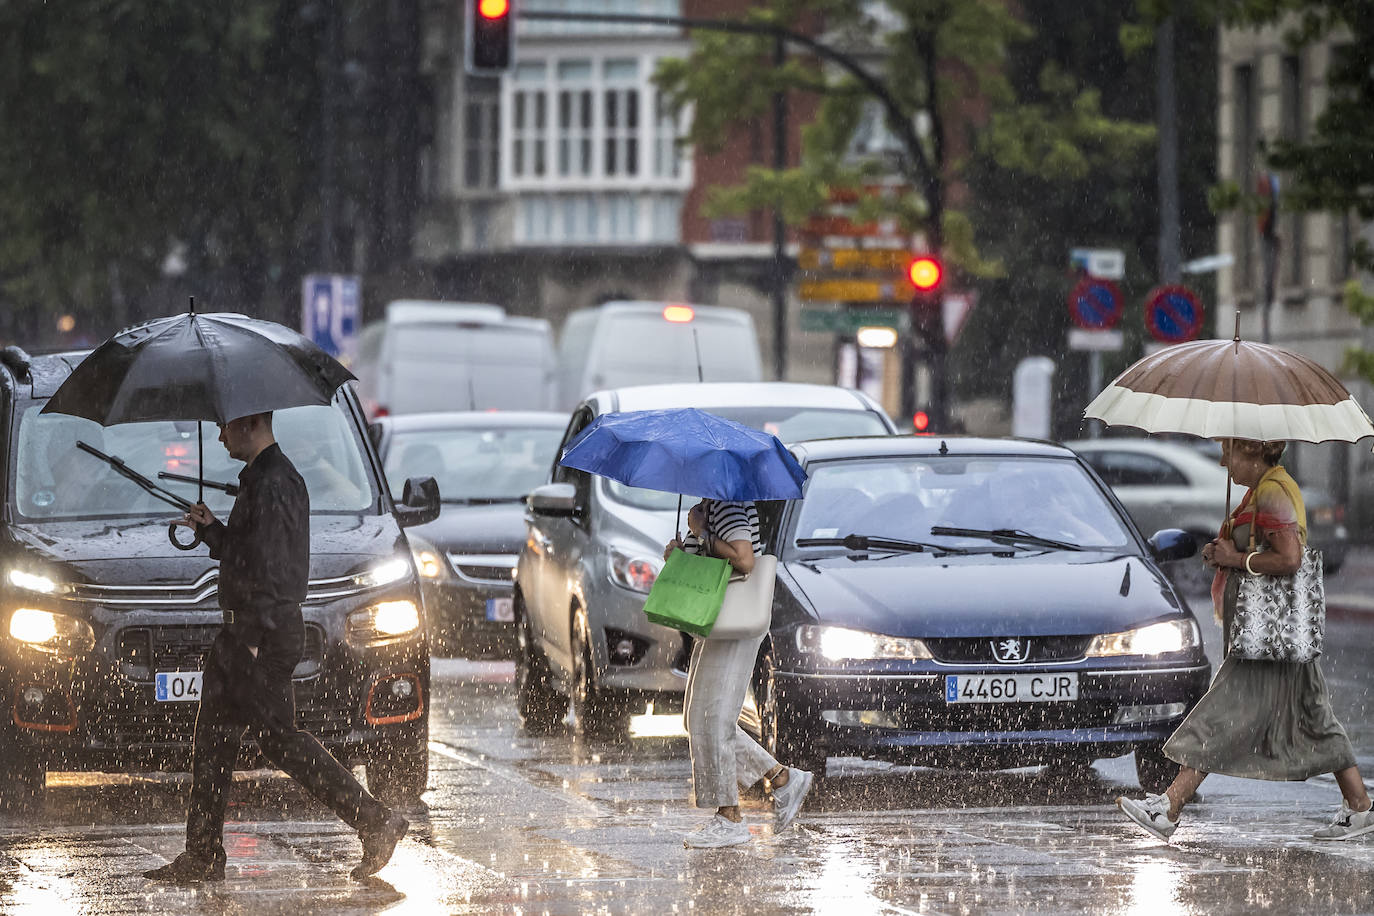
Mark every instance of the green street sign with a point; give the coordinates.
(848, 321)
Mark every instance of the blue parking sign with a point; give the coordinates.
(330, 311)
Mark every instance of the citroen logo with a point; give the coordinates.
(1009, 650)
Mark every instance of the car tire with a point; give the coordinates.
(541, 707)
(22, 775)
(400, 774)
(595, 712)
(1153, 770)
(783, 733)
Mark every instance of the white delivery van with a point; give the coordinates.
(427, 356)
(619, 344)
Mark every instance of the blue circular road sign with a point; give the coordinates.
(1095, 304)
(1173, 314)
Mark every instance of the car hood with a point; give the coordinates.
(1051, 594)
(116, 552)
(490, 528)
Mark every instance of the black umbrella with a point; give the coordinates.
(216, 366)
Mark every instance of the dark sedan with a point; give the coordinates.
(970, 602)
(485, 462)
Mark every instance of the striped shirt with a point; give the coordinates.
(727, 521)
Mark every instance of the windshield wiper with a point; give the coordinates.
(231, 488)
(869, 542)
(1004, 536)
(130, 474)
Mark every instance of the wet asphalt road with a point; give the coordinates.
(519, 824)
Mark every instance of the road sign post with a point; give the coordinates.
(1095, 306)
(1173, 314)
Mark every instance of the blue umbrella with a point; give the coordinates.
(687, 451)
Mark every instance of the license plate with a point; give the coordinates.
(177, 686)
(1010, 688)
(501, 610)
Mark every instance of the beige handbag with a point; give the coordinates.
(747, 611)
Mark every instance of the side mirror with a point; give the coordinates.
(419, 503)
(554, 500)
(1172, 544)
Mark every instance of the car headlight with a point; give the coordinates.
(51, 632)
(1155, 639)
(636, 573)
(384, 573)
(429, 565)
(384, 621)
(842, 643)
(32, 582)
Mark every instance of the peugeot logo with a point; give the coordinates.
(1009, 650)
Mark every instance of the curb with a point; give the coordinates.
(1350, 606)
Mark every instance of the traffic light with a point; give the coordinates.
(490, 35)
(925, 273)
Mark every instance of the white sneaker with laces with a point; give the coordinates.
(1346, 824)
(788, 798)
(1152, 815)
(718, 832)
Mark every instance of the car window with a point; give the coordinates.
(905, 497)
(1132, 469)
(54, 479)
(473, 463)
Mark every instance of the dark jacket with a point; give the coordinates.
(264, 549)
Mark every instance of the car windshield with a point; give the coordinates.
(790, 424)
(906, 497)
(53, 479)
(473, 464)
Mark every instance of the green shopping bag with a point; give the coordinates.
(688, 593)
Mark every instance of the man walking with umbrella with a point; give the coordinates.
(264, 554)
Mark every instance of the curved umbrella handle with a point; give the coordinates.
(172, 536)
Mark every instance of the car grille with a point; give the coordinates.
(487, 569)
(174, 723)
(144, 651)
(980, 650)
(1000, 717)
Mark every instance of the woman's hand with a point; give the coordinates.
(1222, 552)
(674, 544)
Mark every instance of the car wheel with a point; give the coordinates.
(594, 712)
(400, 774)
(22, 775)
(1153, 769)
(784, 735)
(541, 707)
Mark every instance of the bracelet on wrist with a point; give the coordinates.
(1248, 557)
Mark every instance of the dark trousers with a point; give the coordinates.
(241, 692)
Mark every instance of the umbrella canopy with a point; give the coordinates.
(215, 366)
(1232, 389)
(687, 451)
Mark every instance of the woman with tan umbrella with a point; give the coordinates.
(1263, 717)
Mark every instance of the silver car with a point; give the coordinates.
(1173, 485)
(593, 548)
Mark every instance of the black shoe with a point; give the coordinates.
(189, 869)
(379, 843)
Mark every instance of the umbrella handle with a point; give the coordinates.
(172, 536)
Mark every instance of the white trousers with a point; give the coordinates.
(724, 757)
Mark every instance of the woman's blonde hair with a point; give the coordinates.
(1270, 451)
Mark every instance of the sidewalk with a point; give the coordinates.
(1350, 592)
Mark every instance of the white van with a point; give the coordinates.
(427, 356)
(619, 344)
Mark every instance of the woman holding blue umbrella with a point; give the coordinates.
(688, 451)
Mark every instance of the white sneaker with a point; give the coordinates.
(717, 832)
(1152, 814)
(1346, 824)
(788, 798)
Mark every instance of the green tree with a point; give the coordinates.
(130, 128)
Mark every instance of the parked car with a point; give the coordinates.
(594, 547)
(428, 356)
(640, 343)
(1173, 485)
(103, 623)
(486, 463)
(969, 603)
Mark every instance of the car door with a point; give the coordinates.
(1153, 490)
(546, 576)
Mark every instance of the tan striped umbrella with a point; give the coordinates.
(1232, 388)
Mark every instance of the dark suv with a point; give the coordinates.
(103, 623)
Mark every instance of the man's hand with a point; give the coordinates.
(197, 517)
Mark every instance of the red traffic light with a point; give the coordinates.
(493, 9)
(925, 273)
(490, 35)
(920, 421)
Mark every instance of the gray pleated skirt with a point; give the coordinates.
(1263, 720)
